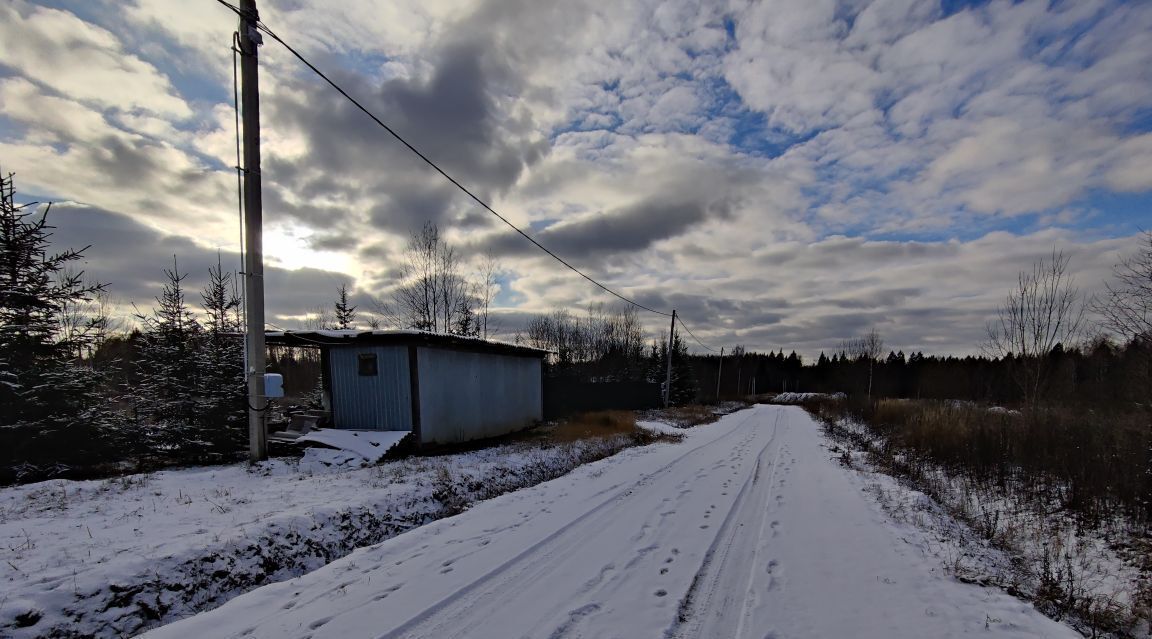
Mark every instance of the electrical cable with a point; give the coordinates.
(231, 6)
(694, 336)
(441, 171)
(263, 27)
(239, 181)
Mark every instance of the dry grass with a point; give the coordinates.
(1027, 481)
(597, 424)
(685, 416)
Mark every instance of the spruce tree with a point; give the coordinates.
(52, 408)
(684, 384)
(167, 399)
(221, 420)
(345, 314)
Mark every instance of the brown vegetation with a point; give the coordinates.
(1088, 462)
(1032, 482)
(596, 424)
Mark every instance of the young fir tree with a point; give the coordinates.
(167, 397)
(684, 384)
(52, 411)
(467, 323)
(345, 313)
(221, 421)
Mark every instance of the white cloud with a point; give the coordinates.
(82, 61)
(901, 120)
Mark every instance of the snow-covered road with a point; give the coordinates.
(747, 528)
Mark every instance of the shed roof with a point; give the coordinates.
(328, 338)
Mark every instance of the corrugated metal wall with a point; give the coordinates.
(380, 402)
(467, 395)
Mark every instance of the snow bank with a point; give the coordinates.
(112, 558)
(744, 529)
(660, 428)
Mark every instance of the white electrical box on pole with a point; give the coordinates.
(668, 375)
(250, 39)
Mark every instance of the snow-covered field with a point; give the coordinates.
(747, 528)
(111, 558)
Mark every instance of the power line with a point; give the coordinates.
(683, 324)
(441, 171)
(263, 27)
(231, 6)
(239, 171)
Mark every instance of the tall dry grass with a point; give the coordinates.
(1037, 483)
(1092, 463)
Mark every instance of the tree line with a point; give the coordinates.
(75, 389)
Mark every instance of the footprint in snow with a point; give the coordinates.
(319, 622)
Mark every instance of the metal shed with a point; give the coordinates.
(444, 388)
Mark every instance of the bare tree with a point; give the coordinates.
(434, 294)
(319, 319)
(1126, 306)
(486, 288)
(1044, 310)
(868, 347)
(84, 324)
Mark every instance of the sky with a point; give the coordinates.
(785, 174)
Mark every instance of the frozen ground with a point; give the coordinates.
(112, 558)
(747, 528)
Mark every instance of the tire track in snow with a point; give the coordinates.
(439, 619)
(700, 614)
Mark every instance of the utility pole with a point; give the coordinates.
(719, 372)
(668, 376)
(250, 39)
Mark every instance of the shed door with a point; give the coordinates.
(371, 388)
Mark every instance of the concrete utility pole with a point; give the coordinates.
(668, 376)
(250, 39)
(719, 373)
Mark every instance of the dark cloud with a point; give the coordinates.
(629, 228)
(883, 298)
(459, 117)
(131, 257)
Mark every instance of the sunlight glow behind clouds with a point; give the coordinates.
(786, 172)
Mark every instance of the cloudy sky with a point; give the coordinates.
(786, 174)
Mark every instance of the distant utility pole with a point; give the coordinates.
(668, 376)
(250, 39)
(719, 373)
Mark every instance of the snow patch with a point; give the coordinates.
(371, 445)
(798, 398)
